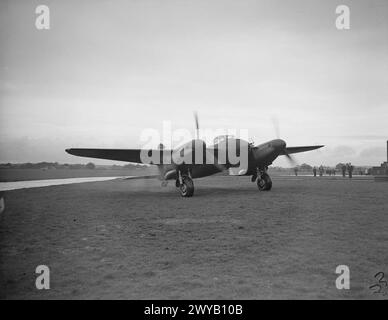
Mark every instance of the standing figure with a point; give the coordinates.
(321, 171)
(296, 171)
(315, 171)
(350, 170)
(343, 171)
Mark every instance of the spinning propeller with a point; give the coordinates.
(291, 159)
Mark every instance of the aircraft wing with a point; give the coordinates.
(153, 176)
(128, 155)
(133, 155)
(300, 149)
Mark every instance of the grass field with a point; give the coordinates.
(136, 240)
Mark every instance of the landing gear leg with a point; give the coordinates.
(264, 182)
(185, 184)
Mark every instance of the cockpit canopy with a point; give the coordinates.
(222, 138)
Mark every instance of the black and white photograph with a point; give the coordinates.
(194, 150)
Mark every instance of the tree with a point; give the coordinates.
(339, 166)
(90, 165)
(305, 166)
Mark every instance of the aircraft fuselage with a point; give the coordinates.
(260, 156)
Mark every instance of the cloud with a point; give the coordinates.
(372, 152)
(99, 78)
(343, 151)
(367, 137)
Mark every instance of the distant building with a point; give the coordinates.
(382, 170)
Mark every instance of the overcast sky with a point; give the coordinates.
(106, 70)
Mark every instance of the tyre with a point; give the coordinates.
(264, 183)
(187, 187)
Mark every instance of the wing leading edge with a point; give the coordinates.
(300, 149)
(128, 155)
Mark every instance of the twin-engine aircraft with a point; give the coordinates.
(195, 160)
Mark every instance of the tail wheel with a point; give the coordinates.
(187, 187)
(264, 183)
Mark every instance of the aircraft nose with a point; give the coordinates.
(279, 144)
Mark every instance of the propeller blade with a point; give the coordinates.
(196, 124)
(290, 158)
(275, 122)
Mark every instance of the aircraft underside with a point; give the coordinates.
(184, 176)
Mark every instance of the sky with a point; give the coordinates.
(107, 70)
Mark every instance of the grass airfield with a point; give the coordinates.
(132, 239)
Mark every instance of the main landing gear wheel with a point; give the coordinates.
(187, 187)
(264, 183)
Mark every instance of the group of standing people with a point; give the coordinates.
(320, 171)
(345, 168)
(329, 171)
(349, 168)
